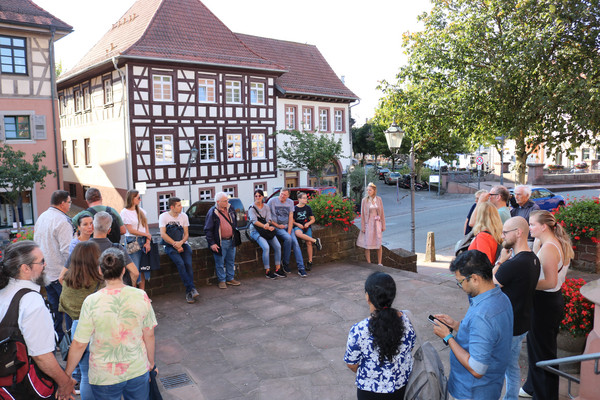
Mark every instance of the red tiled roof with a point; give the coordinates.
(308, 71)
(24, 12)
(175, 30)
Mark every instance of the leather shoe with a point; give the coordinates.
(222, 285)
(233, 282)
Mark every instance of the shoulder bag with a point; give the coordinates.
(267, 234)
(237, 237)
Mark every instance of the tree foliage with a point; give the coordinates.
(310, 151)
(18, 175)
(525, 69)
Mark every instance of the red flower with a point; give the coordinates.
(576, 237)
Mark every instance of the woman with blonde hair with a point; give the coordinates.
(553, 247)
(372, 224)
(487, 230)
(134, 219)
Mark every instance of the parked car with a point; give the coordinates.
(391, 178)
(382, 173)
(310, 191)
(543, 198)
(197, 215)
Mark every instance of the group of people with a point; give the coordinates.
(512, 274)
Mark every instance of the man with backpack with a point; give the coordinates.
(27, 329)
(94, 199)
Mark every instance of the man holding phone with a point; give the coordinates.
(483, 338)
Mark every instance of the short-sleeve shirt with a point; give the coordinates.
(504, 213)
(166, 219)
(112, 322)
(281, 211)
(302, 214)
(103, 244)
(130, 217)
(486, 334)
(371, 375)
(519, 277)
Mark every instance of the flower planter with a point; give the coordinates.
(587, 256)
(570, 346)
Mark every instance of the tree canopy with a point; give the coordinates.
(310, 151)
(18, 175)
(524, 69)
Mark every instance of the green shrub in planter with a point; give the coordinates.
(332, 210)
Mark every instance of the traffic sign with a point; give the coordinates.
(479, 160)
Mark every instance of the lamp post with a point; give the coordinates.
(501, 139)
(191, 160)
(393, 137)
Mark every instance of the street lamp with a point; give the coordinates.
(191, 160)
(394, 136)
(501, 139)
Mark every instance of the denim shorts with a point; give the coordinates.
(306, 232)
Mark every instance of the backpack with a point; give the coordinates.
(14, 360)
(427, 380)
(463, 244)
(115, 230)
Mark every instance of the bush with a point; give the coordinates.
(333, 210)
(579, 312)
(580, 218)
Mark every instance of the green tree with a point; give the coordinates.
(310, 151)
(18, 175)
(363, 141)
(525, 69)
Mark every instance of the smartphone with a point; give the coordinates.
(433, 320)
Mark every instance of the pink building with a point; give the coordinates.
(28, 114)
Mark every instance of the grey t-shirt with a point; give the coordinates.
(281, 211)
(265, 212)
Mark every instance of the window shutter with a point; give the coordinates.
(39, 126)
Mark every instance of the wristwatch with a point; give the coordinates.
(447, 338)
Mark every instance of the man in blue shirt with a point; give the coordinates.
(483, 338)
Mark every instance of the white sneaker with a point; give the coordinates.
(523, 393)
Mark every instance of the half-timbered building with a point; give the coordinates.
(27, 93)
(167, 78)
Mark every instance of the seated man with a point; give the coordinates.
(303, 219)
(282, 210)
(480, 351)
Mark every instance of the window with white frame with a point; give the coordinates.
(86, 98)
(17, 127)
(307, 118)
(206, 194)
(234, 146)
(64, 153)
(233, 92)
(290, 117)
(258, 145)
(62, 105)
(208, 147)
(206, 90)
(75, 151)
(230, 191)
(162, 87)
(324, 120)
(163, 149)
(108, 91)
(339, 120)
(78, 99)
(13, 55)
(257, 93)
(87, 148)
(262, 186)
(585, 154)
(163, 202)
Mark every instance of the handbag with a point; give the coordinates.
(150, 261)
(133, 246)
(237, 237)
(265, 233)
(154, 391)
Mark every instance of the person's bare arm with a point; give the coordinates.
(133, 273)
(149, 341)
(290, 222)
(549, 258)
(353, 367)
(47, 363)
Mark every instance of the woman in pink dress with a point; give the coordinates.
(372, 224)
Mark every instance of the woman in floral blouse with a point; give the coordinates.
(118, 322)
(379, 347)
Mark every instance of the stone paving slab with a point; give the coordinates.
(284, 338)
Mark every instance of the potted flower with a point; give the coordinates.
(581, 165)
(580, 218)
(555, 167)
(578, 320)
(332, 211)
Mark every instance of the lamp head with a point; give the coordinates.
(394, 136)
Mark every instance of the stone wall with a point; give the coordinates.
(537, 176)
(337, 246)
(587, 256)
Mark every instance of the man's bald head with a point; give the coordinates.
(515, 231)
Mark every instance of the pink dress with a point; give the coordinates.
(373, 219)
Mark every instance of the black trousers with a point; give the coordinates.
(365, 395)
(547, 313)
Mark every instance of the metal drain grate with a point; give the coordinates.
(175, 381)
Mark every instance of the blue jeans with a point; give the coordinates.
(53, 290)
(513, 372)
(137, 256)
(224, 266)
(264, 245)
(290, 241)
(183, 262)
(84, 367)
(133, 389)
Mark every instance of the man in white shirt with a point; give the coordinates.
(53, 233)
(23, 267)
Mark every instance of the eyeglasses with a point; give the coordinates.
(460, 283)
(43, 262)
(507, 232)
(494, 194)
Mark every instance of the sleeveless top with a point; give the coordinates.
(562, 270)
